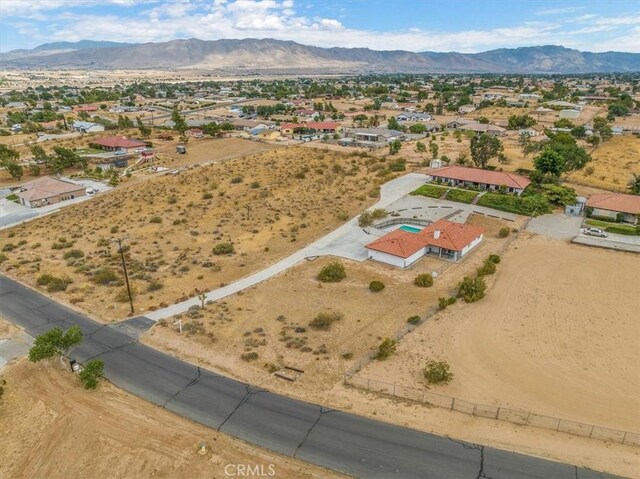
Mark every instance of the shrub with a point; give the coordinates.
(333, 272)
(54, 342)
(379, 213)
(503, 233)
(324, 320)
(430, 191)
(8, 247)
(376, 286)
(386, 349)
(472, 289)
(3, 258)
(365, 219)
(444, 302)
(74, 253)
(413, 320)
(461, 196)
(424, 280)
(252, 356)
(105, 276)
(488, 267)
(207, 196)
(237, 179)
(223, 248)
(155, 285)
(494, 258)
(92, 372)
(122, 296)
(155, 219)
(58, 284)
(44, 279)
(436, 372)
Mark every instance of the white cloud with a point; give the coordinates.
(558, 11)
(235, 19)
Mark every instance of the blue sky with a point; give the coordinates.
(417, 25)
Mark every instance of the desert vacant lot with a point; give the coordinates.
(267, 205)
(557, 334)
(270, 321)
(613, 163)
(53, 428)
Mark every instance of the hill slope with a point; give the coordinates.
(268, 54)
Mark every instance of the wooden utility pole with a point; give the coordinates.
(124, 268)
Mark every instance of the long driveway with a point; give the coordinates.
(333, 439)
(389, 193)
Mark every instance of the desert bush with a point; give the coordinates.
(223, 248)
(155, 219)
(333, 272)
(73, 254)
(472, 289)
(252, 356)
(365, 219)
(379, 213)
(237, 179)
(503, 233)
(155, 285)
(413, 320)
(3, 258)
(53, 283)
(8, 247)
(436, 372)
(376, 286)
(386, 349)
(324, 320)
(424, 280)
(206, 195)
(105, 276)
(494, 258)
(444, 302)
(488, 267)
(122, 296)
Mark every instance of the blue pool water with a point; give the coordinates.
(410, 229)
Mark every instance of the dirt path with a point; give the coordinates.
(53, 428)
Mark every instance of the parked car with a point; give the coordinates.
(595, 232)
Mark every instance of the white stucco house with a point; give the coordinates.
(444, 239)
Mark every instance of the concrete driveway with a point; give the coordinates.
(558, 226)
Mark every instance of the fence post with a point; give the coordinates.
(498, 413)
(368, 383)
(453, 402)
(591, 432)
(558, 426)
(474, 409)
(526, 421)
(623, 438)
(394, 390)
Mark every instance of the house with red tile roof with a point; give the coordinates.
(611, 205)
(444, 239)
(486, 179)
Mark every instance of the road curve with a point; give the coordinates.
(347, 443)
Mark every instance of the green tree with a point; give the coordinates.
(393, 124)
(55, 342)
(360, 119)
(472, 289)
(575, 157)
(386, 349)
(92, 372)
(433, 148)
(550, 161)
(436, 372)
(394, 147)
(418, 128)
(634, 184)
(7, 153)
(66, 158)
(39, 155)
(420, 147)
(602, 128)
(14, 168)
(483, 148)
(180, 123)
(145, 131)
(520, 121)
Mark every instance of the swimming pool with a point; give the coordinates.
(410, 229)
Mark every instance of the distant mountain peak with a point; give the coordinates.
(254, 54)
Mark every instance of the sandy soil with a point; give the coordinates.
(613, 163)
(52, 427)
(551, 333)
(292, 197)
(272, 319)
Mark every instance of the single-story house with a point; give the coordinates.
(610, 205)
(269, 135)
(486, 179)
(374, 135)
(445, 239)
(118, 143)
(473, 125)
(464, 109)
(47, 191)
(86, 126)
(532, 131)
(324, 127)
(305, 113)
(413, 116)
(78, 108)
(194, 133)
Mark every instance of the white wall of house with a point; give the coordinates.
(396, 260)
(471, 245)
(605, 213)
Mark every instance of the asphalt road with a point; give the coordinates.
(343, 442)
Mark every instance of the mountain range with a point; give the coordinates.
(269, 55)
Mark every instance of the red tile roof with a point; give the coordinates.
(477, 175)
(323, 125)
(615, 202)
(452, 236)
(118, 142)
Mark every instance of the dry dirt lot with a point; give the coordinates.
(613, 163)
(557, 335)
(172, 223)
(52, 427)
(270, 321)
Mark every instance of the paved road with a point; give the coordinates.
(389, 193)
(343, 442)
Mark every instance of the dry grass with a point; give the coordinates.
(292, 196)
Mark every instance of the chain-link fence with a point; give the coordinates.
(494, 412)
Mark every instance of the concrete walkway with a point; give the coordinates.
(14, 347)
(337, 239)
